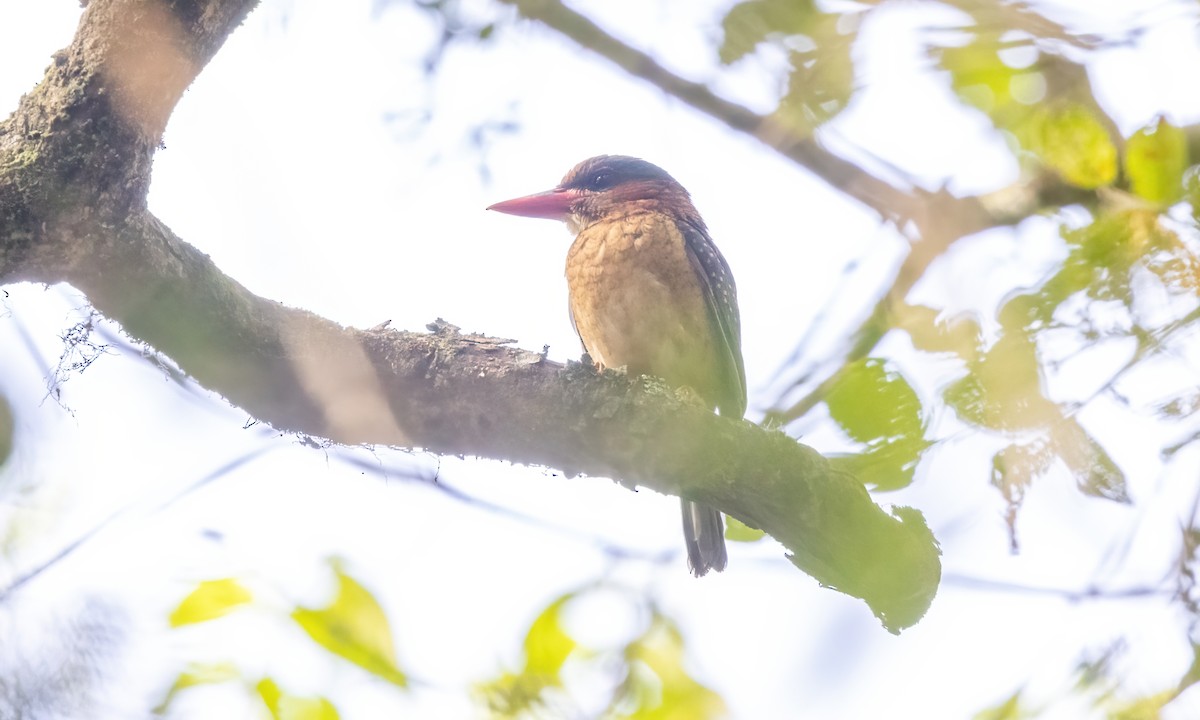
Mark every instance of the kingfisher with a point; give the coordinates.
(649, 292)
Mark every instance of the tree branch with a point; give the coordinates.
(74, 169)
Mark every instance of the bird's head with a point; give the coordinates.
(605, 187)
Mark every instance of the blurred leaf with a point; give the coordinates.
(547, 646)
(1009, 709)
(872, 403)
(878, 407)
(1094, 471)
(511, 694)
(981, 78)
(1143, 708)
(1014, 469)
(1192, 676)
(197, 675)
(356, 628)
(1155, 159)
(1167, 256)
(818, 47)
(887, 465)
(738, 531)
(1095, 672)
(290, 707)
(752, 22)
(211, 599)
(932, 333)
(1104, 257)
(1073, 142)
(658, 687)
(1046, 104)
(822, 78)
(1003, 389)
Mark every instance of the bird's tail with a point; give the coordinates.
(704, 533)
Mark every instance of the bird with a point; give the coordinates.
(649, 292)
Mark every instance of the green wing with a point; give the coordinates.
(720, 295)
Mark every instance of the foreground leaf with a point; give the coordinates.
(290, 707)
(197, 675)
(1155, 159)
(659, 687)
(211, 599)
(356, 628)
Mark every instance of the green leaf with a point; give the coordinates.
(871, 402)
(752, 22)
(932, 333)
(197, 675)
(1009, 709)
(356, 628)
(1155, 159)
(1069, 139)
(818, 47)
(822, 78)
(659, 686)
(1192, 676)
(980, 77)
(1095, 472)
(878, 407)
(211, 599)
(1104, 258)
(547, 644)
(738, 531)
(1148, 707)
(886, 465)
(290, 707)
(1003, 389)
(1014, 469)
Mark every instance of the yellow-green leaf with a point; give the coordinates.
(290, 707)
(978, 75)
(739, 531)
(1071, 141)
(1010, 709)
(197, 675)
(356, 628)
(211, 599)
(659, 686)
(751, 22)
(547, 645)
(885, 465)
(878, 407)
(1155, 159)
(871, 402)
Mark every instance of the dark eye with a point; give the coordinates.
(600, 181)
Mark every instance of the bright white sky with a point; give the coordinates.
(281, 164)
